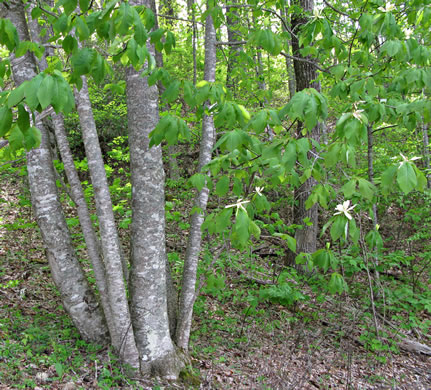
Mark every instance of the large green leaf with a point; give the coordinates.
(5, 120)
(406, 177)
(222, 186)
(46, 91)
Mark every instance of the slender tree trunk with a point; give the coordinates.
(289, 65)
(122, 333)
(148, 284)
(172, 293)
(174, 169)
(371, 169)
(305, 73)
(191, 11)
(426, 153)
(77, 297)
(77, 192)
(188, 291)
(233, 35)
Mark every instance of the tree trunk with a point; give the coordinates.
(77, 192)
(122, 332)
(188, 291)
(174, 169)
(289, 65)
(148, 280)
(192, 12)
(305, 73)
(426, 153)
(233, 35)
(77, 297)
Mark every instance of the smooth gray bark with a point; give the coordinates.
(77, 192)
(77, 297)
(148, 279)
(188, 290)
(174, 169)
(172, 293)
(122, 333)
(233, 35)
(426, 153)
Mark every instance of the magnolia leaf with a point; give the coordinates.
(222, 186)
(406, 177)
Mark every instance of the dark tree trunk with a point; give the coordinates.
(305, 76)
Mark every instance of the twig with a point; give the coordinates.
(338, 11)
(311, 62)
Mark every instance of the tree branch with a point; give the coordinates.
(304, 60)
(230, 43)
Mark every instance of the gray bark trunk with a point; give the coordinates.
(172, 293)
(233, 35)
(148, 280)
(426, 153)
(77, 192)
(174, 169)
(77, 297)
(371, 169)
(188, 291)
(305, 73)
(122, 333)
(191, 12)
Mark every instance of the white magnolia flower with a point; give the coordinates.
(319, 36)
(388, 8)
(344, 209)
(408, 32)
(259, 190)
(239, 205)
(405, 160)
(357, 115)
(317, 13)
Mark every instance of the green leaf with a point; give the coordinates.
(259, 121)
(349, 188)
(17, 95)
(321, 258)
(69, 44)
(45, 92)
(32, 138)
(5, 120)
(338, 71)
(82, 28)
(231, 140)
(23, 118)
(366, 189)
(198, 181)
(83, 5)
(337, 284)
(82, 61)
(406, 177)
(171, 93)
(61, 23)
(189, 93)
(223, 220)
(338, 227)
(240, 234)
(387, 179)
(222, 186)
(16, 139)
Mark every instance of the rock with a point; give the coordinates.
(42, 377)
(69, 386)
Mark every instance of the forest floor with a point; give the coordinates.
(315, 345)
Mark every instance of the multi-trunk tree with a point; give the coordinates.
(142, 332)
(344, 48)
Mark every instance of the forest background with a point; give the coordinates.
(294, 141)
